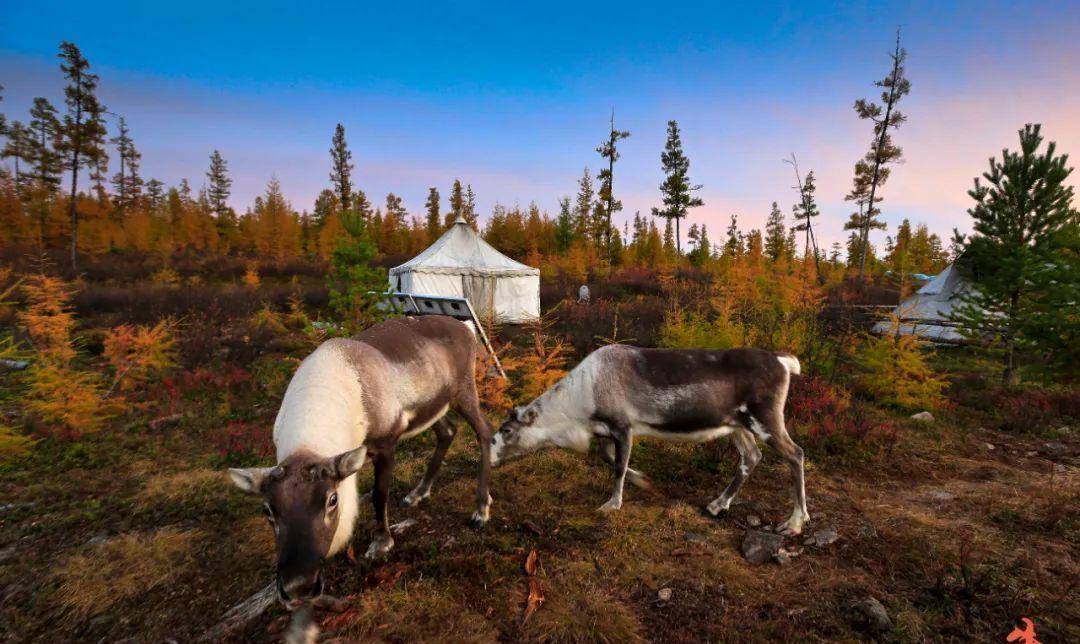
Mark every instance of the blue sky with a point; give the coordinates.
(514, 99)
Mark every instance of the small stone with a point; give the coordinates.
(759, 547)
(753, 520)
(942, 495)
(823, 537)
(664, 595)
(990, 446)
(694, 537)
(1055, 448)
(923, 417)
(1030, 454)
(874, 615)
(97, 540)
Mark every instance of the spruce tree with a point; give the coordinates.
(1021, 256)
(219, 187)
(341, 172)
(583, 207)
(434, 218)
(83, 130)
(47, 160)
(564, 226)
(609, 151)
(676, 189)
(470, 207)
(873, 168)
(126, 183)
(457, 203)
(155, 194)
(18, 148)
(805, 211)
(775, 234)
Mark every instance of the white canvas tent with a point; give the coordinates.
(461, 264)
(926, 313)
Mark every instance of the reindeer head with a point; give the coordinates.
(517, 435)
(301, 501)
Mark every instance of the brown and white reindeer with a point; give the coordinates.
(619, 392)
(353, 398)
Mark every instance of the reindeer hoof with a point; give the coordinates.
(412, 499)
(610, 506)
(478, 520)
(379, 547)
(790, 528)
(717, 508)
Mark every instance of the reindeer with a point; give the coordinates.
(619, 392)
(350, 399)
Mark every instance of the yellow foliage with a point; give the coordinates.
(137, 353)
(13, 444)
(166, 277)
(67, 400)
(251, 277)
(541, 366)
(48, 318)
(893, 369)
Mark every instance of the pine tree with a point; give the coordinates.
(882, 152)
(805, 211)
(1014, 257)
(609, 150)
(126, 183)
(775, 234)
(83, 128)
(340, 175)
(434, 218)
(734, 247)
(676, 188)
(326, 208)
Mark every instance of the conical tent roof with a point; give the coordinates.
(460, 251)
(927, 313)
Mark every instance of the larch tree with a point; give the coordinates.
(341, 172)
(610, 152)
(1021, 256)
(83, 130)
(676, 189)
(126, 183)
(219, 186)
(874, 166)
(433, 219)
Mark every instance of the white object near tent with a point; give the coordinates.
(461, 264)
(926, 313)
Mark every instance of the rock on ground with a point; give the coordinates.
(923, 417)
(823, 537)
(874, 615)
(759, 547)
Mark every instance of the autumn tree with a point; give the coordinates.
(83, 130)
(341, 173)
(872, 171)
(610, 152)
(676, 189)
(1023, 218)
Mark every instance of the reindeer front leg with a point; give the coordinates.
(382, 542)
(623, 441)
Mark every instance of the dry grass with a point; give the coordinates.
(188, 486)
(124, 567)
(577, 610)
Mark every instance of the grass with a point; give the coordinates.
(107, 575)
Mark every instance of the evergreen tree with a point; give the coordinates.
(583, 207)
(155, 194)
(126, 183)
(457, 203)
(676, 189)
(19, 147)
(733, 247)
(360, 205)
(873, 168)
(45, 130)
(83, 128)
(434, 218)
(327, 207)
(219, 188)
(805, 211)
(564, 226)
(775, 234)
(609, 151)
(469, 210)
(1016, 258)
(341, 172)
(670, 250)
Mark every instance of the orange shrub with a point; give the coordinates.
(48, 318)
(138, 353)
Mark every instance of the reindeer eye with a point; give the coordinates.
(332, 501)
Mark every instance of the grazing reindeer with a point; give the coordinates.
(349, 399)
(619, 392)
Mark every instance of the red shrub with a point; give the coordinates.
(243, 444)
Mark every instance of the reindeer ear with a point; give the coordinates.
(250, 480)
(348, 463)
